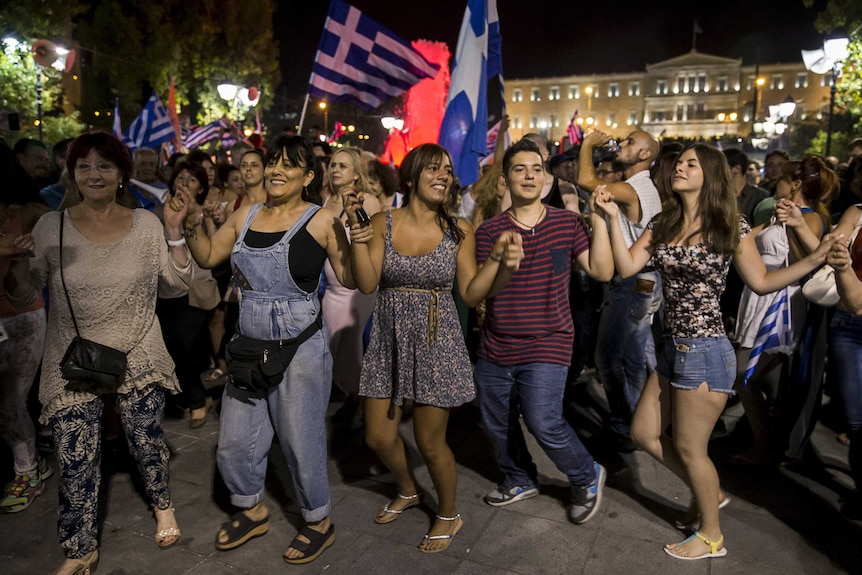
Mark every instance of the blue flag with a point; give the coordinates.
(361, 62)
(478, 58)
(151, 127)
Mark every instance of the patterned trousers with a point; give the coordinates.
(77, 440)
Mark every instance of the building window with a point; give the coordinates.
(635, 89)
(633, 119)
(802, 80)
(689, 112)
(661, 87)
(612, 119)
(574, 92)
(777, 82)
(700, 112)
(701, 83)
(658, 116)
(749, 83)
(722, 84)
(679, 112)
(555, 93)
(516, 122)
(534, 95)
(826, 79)
(680, 85)
(555, 121)
(534, 121)
(613, 90)
(516, 95)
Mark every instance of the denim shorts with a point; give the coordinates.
(688, 362)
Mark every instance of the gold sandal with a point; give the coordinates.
(82, 566)
(388, 515)
(169, 536)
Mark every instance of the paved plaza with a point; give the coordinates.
(783, 521)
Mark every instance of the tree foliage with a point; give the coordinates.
(134, 48)
(20, 24)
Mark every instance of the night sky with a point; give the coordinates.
(544, 38)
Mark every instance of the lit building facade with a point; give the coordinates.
(695, 95)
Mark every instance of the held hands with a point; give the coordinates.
(23, 246)
(602, 202)
(838, 256)
(789, 213)
(183, 206)
(214, 211)
(508, 250)
(827, 244)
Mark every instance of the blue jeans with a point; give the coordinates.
(624, 344)
(296, 411)
(845, 363)
(534, 390)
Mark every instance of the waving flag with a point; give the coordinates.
(203, 135)
(151, 127)
(775, 334)
(477, 59)
(361, 62)
(118, 130)
(576, 134)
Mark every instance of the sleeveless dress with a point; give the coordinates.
(774, 248)
(417, 350)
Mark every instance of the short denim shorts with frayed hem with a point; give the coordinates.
(688, 362)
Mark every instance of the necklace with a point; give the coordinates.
(536, 223)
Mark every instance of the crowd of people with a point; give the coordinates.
(263, 279)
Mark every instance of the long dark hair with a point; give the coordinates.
(411, 169)
(716, 206)
(298, 152)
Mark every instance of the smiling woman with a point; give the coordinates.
(113, 260)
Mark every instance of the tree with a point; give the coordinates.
(132, 48)
(20, 24)
(846, 16)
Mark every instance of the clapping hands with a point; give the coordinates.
(508, 250)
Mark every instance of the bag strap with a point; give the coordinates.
(62, 278)
(307, 332)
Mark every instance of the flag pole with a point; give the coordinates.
(302, 115)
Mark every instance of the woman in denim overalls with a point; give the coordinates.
(277, 251)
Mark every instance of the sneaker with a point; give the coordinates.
(586, 499)
(45, 470)
(25, 489)
(498, 498)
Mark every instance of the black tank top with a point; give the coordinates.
(305, 257)
(554, 197)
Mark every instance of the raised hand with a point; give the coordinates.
(213, 210)
(789, 213)
(602, 202)
(838, 256)
(514, 252)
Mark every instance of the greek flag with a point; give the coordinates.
(477, 59)
(202, 135)
(775, 334)
(361, 62)
(151, 127)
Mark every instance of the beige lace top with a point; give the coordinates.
(113, 291)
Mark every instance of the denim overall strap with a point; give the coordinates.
(255, 208)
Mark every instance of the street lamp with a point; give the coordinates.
(820, 61)
(325, 109)
(390, 123)
(238, 95)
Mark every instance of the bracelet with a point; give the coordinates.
(177, 243)
(190, 230)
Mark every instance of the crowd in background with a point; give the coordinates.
(265, 242)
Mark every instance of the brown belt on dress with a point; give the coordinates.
(433, 309)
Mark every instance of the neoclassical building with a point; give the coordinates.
(692, 95)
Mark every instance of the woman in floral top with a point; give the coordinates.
(692, 243)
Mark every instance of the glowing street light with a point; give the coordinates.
(820, 61)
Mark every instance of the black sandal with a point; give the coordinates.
(318, 542)
(239, 529)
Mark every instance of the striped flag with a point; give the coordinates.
(151, 127)
(576, 134)
(203, 135)
(477, 59)
(118, 130)
(361, 62)
(775, 334)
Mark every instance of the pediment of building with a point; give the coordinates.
(693, 59)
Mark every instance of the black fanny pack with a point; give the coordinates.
(259, 365)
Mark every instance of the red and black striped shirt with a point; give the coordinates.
(530, 319)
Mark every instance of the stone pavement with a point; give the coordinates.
(784, 521)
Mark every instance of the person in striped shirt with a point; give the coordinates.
(526, 343)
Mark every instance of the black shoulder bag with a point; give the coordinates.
(89, 367)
